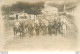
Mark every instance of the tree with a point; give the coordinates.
(35, 8)
(30, 8)
(68, 6)
(5, 10)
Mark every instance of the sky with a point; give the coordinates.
(8, 2)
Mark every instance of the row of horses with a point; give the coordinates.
(40, 28)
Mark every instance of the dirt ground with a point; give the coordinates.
(42, 43)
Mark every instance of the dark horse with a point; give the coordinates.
(31, 28)
(19, 29)
(37, 27)
(43, 28)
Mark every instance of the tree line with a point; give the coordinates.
(30, 8)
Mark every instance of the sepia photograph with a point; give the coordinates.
(40, 25)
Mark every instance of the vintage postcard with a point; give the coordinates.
(39, 25)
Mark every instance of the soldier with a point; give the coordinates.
(50, 29)
(17, 16)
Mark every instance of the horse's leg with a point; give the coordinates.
(30, 32)
(48, 31)
(65, 32)
(26, 31)
(43, 30)
(23, 32)
(14, 32)
(38, 32)
(51, 32)
(55, 31)
(20, 34)
(60, 30)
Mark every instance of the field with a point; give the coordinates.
(40, 42)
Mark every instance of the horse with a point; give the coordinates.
(50, 29)
(64, 25)
(54, 27)
(31, 28)
(64, 28)
(26, 24)
(37, 28)
(18, 28)
(43, 28)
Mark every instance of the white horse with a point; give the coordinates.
(64, 25)
(17, 24)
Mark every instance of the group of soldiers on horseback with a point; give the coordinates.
(39, 28)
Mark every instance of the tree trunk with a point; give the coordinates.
(30, 16)
(5, 16)
(34, 17)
